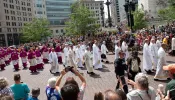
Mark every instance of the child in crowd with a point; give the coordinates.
(35, 94)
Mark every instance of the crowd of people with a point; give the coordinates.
(91, 52)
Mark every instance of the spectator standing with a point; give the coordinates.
(20, 89)
(52, 91)
(71, 90)
(171, 71)
(143, 91)
(4, 89)
(111, 95)
(35, 94)
(120, 67)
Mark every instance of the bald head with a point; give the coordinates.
(111, 95)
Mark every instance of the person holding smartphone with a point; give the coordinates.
(71, 90)
(120, 67)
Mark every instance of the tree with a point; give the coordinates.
(139, 20)
(81, 20)
(168, 13)
(35, 30)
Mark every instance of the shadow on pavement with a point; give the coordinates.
(104, 70)
(95, 76)
(36, 73)
(170, 61)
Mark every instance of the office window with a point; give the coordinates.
(39, 12)
(62, 30)
(8, 29)
(7, 18)
(29, 9)
(5, 5)
(38, 5)
(56, 31)
(13, 23)
(14, 29)
(0, 29)
(8, 23)
(28, 4)
(11, 1)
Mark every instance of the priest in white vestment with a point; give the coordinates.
(160, 73)
(125, 49)
(104, 50)
(71, 60)
(147, 61)
(83, 48)
(88, 61)
(65, 51)
(53, 59)
(158, 42)
(79, 57)
(154, 53)
(96, 56)
(117, 49)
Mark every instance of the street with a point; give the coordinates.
(104, 80)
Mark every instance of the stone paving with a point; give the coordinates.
(103, 81)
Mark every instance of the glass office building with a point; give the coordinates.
(58, 11)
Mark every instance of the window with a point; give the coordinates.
(62, 30)
(39, 12)
(28, 4)
(7, 18)
(0, 29)
(56, 31)
(5, 5)
(24, 8)
(18, 7)
(8, 29)
(12, 6)
(30, 14)
(30, 19)
(38, 5)
(13, 23)
(14, 29)
(8, 23)
(11, 1)
(29, 9)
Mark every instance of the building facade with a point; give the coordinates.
(58, 12)
(95, 7)
(39, 9)
(118, 13)
(151, 7)
(14, 13)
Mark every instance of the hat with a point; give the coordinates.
(170, 68)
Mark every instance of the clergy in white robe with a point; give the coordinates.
(173, 46)
(158, 42)
(117, 49)
(79, 57)
(88, 61)
(53, 59)
(65, 51)
(104, 50)
(160, 73)
(96, 56)
(83, 48)
(125, 49)
(154, 53)
(71, 62)
(147, 63)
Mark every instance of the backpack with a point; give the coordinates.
(134, 65)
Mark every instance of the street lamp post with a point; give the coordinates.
(102, 14)
(109, 17)
(129, 7)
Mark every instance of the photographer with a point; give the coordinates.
(70, 90)
(120, 67)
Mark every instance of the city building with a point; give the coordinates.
(39, 8)
(95, 7)
(58, 12)
(118, 13)
(151, 7)
(14, 13)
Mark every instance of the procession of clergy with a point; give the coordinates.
(73, 56)
(81, 55)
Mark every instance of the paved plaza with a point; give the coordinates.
(101, 82)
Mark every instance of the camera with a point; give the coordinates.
(67, 69)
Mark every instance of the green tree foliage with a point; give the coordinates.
(139, 20)
(169, 12)
(36, 30)
(81, 21)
